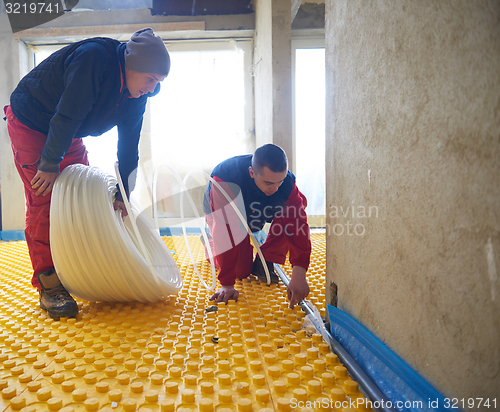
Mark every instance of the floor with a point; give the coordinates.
(178, 354)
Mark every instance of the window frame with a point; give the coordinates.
(313, 42)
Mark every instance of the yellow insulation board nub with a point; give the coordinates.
(173, 355)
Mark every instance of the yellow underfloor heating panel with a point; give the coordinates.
(179, 354)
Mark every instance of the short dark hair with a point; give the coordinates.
(271, 156)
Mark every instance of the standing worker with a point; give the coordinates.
(83, 89)
(264, 190)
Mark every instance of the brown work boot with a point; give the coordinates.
(54, 298)
(258, 270)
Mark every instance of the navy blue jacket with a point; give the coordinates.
(79, 91)
(259, 207)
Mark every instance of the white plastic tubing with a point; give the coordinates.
(98, 255)
(184, 190)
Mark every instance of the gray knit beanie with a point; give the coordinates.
(146, 53)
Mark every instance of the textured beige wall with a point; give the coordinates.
(413, 129)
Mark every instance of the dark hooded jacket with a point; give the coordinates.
(81, 91)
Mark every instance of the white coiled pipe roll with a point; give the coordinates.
(97, 254)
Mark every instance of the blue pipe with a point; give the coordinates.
(366, 385)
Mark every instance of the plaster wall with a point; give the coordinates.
(263, 68)
(14, 64)
(413, 131)
(273, 74)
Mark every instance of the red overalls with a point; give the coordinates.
(27, 145)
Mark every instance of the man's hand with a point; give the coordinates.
(225, 293)
(298, 289)
(44, 182)
(120, 205)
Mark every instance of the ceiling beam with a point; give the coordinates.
(101, 30)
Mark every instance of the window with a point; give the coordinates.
(309, 88)
(198, 119)
(202, 116)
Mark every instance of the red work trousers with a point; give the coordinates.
(27, 145)
(237, 261)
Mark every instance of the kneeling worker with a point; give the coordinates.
(264, 190)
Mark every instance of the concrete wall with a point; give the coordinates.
(273, 75)
(413, 129)
(14, 65)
